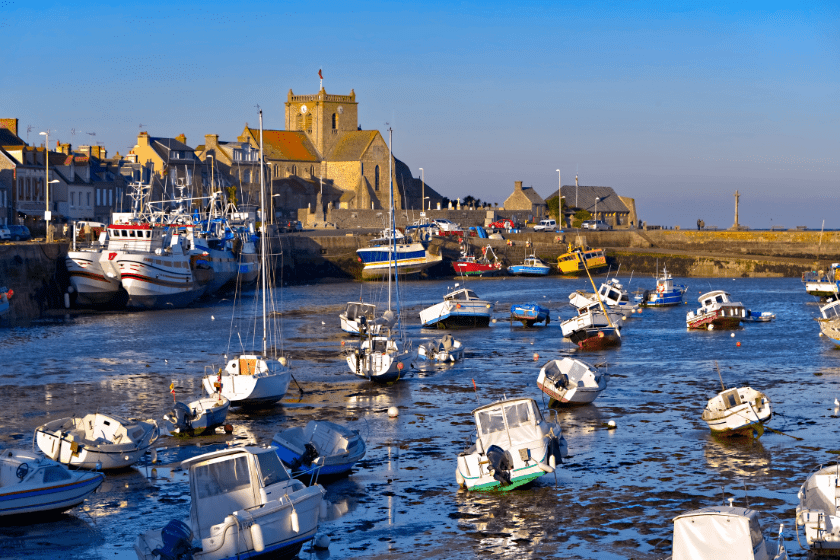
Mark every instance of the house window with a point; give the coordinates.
(312, 170)
(333, 121)
(72, 200)
(294, 170)
(189, 176)
(88, 200)
(20, 188)
(376, 178)
(98, 197)
(246, 176)
(110, 197)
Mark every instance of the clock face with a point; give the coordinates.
(303, 109)
(340, 110)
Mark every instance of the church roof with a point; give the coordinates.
(287, 145)
(608, 200)
(351, 145)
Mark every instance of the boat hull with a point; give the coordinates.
(378, 262)
(28, 498)
(450, 314)
(382, 367)
(596, 339)
(250, 390)
(476, 269)
(522, 270)
(530, 314)
(89, 281)
(714, 319)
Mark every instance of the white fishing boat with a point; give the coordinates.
(32, 484)
(92, 286)
(330, 448)
(823, 284)
(198, 417)
(739, 411)
(252, 378)
(830, 321)
(389, 253)
(383, 356)
(571, 381)
(443, 349)
(96, 441)
(724, 533)
(514, 445)
(592, 329)
(244, 505)
(817, 511)
(717, 311)
(612, 294)
(459, 308)
(351, 317)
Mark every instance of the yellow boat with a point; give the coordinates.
(571, 262)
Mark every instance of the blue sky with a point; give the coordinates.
(676, 104)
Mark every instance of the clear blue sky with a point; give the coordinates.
(676, 104)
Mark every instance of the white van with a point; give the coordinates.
(546, 225)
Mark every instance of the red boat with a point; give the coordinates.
(469, 265)
(717, 312)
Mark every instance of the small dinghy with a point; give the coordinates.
(199, 417)
(735, 412)
(830, 321)
(444, 349)
(571, 381)
(514, 445)
(817, 511)
(724, 533)
(31, 483)
(529, 314)
(332, 448)
(96, 441)
(758, 317)
(244, 504)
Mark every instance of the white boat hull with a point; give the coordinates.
(88, 279)
(251, 380)
(743, 415)
(817, 510)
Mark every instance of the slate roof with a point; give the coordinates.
(290, 145)
(351, 145)
(608, 199)
(532, 195)
(9, 138)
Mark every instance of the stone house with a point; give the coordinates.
(526, 199)
(602, 203)
(175, 165)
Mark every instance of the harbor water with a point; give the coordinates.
(613, 498)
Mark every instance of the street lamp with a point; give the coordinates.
(47, 213)
(559, 196)
(212, 172)
(596, 207)
(423, 193)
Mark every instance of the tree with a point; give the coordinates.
(231, 192)
(552, 208)
(580, 217)
(470, 200)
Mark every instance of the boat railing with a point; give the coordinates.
(313, 471)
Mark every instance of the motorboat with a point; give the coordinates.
(739, 411)
(33, 484)
(758, 316)
(255, 377)
(529, 313)
(724, 533)
(88, 279)
(817, 511)
(830, 321)
(459, 308)
(339, 448)
(664, 294)
(717, 311)
(531, 266)
(96, 441)
(470, 265)
(388, 254)
(351, 317)
(593, 328)
(611, 293)
(571, 381)
(443, 349)
(514, 445)
(201, 416)
(822, 284)
(578, 259)
(244, 504)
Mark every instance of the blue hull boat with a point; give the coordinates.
(666, 293)
(329, 448)
(529, 314)
(532, 266)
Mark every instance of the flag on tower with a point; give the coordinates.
(319, 74)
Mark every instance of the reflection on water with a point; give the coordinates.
(613, 498)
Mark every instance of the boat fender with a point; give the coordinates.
(177, 542)
(500, 464)
(295, 522)
(257, 537)
(459, 478)
(547, 468)
(554, 450)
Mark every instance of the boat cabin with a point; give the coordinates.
(36, 470)
(461, 295)
(509, 424)
(232, 480)
(141, 237)
(355, 310)
(613, 293)
(720, 533)
(716, 297)
(573, 376)
(831, 310)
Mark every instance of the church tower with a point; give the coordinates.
(322, 117)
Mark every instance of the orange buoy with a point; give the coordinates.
(399, 365)
(536, 356)
(738, 343)
(342, 343)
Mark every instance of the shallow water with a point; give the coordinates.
(613, 498)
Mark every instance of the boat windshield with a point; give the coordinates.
(491, 421)
(755, 531)
(56, 474)
(461, 295)
(223, 477)
(271, 469)
(518, 414)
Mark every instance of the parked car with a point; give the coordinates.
(4, 233)
(19, 233)
(546, 225)
(596, 225)
(504, 223)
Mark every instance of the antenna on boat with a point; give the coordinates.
(722, 386)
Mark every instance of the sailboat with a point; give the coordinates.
(383, 357)
(251, 378)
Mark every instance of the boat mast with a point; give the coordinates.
(391, 222)
(262, 237)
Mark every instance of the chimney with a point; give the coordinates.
(85, 150)
(64, 148)
(210, 140)
(143, 139)
(181, 138)
(517, 185)
(11, 124)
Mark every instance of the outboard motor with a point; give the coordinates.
(177, 542)
(645, 296)
(181, 416)
(308, 456)
(501, 464)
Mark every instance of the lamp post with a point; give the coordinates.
(47, 212)
(423, 194)
(596, 207)
(559, 196)
(212, 172)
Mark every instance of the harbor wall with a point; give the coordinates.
(37, 274)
